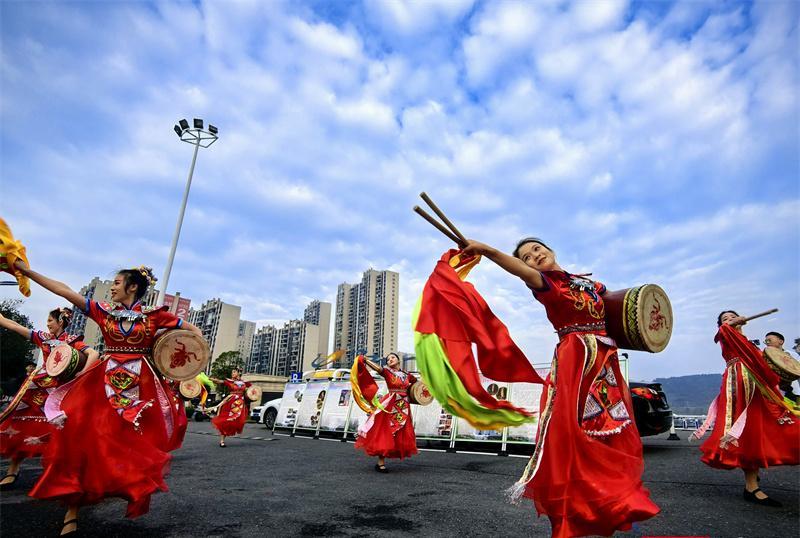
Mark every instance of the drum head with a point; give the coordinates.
(180, 354)
(190, 389)
(61, 359)
(253, 393)
(784, 364)
(654, 316)
(420, 394)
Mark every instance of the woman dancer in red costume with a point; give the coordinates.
(585, 473)
(754, 428)
(233, 410)
(389, 431)
(24, 430)
(119, 418)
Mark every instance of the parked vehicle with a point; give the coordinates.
(267, 413)
(651, 410)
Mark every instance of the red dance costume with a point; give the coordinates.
(585, 472)
(24, 429)
(233, 410)
(753, 427)
(389, 431)
(119, 419)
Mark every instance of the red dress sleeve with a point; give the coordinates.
(735, 344)
(95, 311)
(165, 320)
(600, 288)
(38, 338)
(81, 346)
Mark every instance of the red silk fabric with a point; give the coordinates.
(454, 310)
(771, 435)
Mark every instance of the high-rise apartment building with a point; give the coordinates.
(367, 315)
(262, 354)
(219, 323)
(293, 347)
(247, 330)
(319, 313)
(296, 348)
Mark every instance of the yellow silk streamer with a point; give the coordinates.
(12, 250)
(359, 398)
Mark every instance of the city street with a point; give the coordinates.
(265, 485)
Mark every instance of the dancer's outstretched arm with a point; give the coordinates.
(513, 265)
(59, 288)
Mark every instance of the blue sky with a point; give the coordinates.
(645, 141)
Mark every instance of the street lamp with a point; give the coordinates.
(199, 137)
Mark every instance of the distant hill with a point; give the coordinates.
(690, 394)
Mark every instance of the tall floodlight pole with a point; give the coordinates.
(199, 137)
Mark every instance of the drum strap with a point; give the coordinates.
(582, 328)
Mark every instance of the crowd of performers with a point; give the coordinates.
(109, 431)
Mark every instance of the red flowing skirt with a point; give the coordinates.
(232, 416)
(764, 441)
(587, 485)
(24, 438)
(25, 432)
(379, 440)
(97, 454)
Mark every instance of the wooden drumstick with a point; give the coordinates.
(444, 218)
(762, 314)
(436, 224)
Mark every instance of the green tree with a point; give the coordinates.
(225, 363)
(15, 350)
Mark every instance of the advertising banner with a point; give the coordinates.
(290, 403)
(337, 403)
(182, 309)
(432, 422)
(310, 409)
(525, 395)
(467, 432)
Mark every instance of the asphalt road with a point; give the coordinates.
(283, 486)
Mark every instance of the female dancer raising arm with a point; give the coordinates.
(585, 473)
(120, 419)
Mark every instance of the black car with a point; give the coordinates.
(650, 408)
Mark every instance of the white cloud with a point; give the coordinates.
(644, 147)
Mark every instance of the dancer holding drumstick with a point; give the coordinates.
(389, 431)
(119, 421)
(585, 473)
(754, 427)
(24, 430)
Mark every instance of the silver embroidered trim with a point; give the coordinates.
(592, 408)
(611, 378)
(619, 411)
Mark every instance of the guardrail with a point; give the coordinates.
(687, 422)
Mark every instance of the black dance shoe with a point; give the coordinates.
(750, 496)
(381, 468)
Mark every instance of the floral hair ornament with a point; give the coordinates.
(147, 273)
